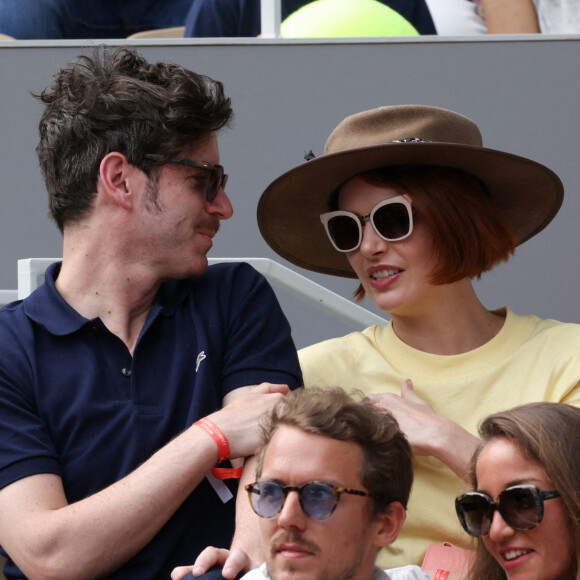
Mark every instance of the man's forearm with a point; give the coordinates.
(47, 537)
(97, 535)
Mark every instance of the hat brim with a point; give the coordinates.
(527, 194)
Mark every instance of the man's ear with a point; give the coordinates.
(116, 176)
(390, 523)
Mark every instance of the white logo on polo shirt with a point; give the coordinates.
(200, 357)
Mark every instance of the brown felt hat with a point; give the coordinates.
(527, 194)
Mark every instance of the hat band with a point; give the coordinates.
(412, 140)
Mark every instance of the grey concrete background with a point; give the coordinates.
(289, 95)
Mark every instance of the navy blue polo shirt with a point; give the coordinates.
(74, 402)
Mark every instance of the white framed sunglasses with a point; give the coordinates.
(391, 218)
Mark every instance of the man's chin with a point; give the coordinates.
(197, 266)
(301, 569)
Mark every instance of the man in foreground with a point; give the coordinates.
(134, 369)
(332, 483)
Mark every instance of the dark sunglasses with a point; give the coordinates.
(317, 499)
(217, 177)
(392, 219)
(521, 507)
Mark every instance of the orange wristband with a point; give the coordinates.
(212, 429)
(227, 472)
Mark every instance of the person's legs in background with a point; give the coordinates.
(139, 15)
(54, 19)
(31, 19)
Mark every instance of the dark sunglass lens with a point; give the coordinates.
(344, 231)
(392, 221)
(475, 513)
(215, 181)
(318, 500)
(267, 498)
(519, 508)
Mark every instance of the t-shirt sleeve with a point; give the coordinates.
(572, 397)
(257, 340)
(26, 444)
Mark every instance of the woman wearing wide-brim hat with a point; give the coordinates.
(407, 200)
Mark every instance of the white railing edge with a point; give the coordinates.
(31, 275)
(304, 287)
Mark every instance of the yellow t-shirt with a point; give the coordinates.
(528, 360)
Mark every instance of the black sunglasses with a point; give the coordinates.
(217, 177)
(392, 219)
(317, 499)
(521, 507)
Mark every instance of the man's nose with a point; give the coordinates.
(292, 515)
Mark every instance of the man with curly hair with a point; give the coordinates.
(135, 369)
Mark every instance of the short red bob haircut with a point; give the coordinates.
(470, 236)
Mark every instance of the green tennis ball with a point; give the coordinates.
(345, 18)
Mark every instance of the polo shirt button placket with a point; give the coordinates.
(126, 372)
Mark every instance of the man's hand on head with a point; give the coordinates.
(240, 417)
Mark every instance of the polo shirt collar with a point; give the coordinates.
(48, 308)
